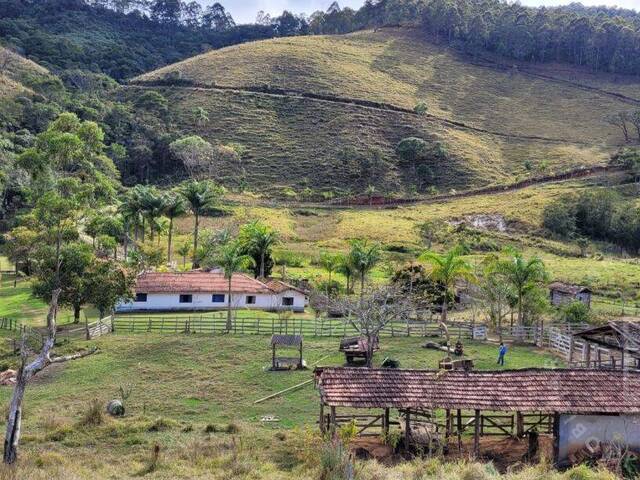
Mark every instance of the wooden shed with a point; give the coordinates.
(552, 400)
(561, 293)
(614, 345)
(286, 363)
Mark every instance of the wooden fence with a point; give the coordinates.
(322, 327)
(9, 324)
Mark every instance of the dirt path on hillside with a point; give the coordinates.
(380, 106)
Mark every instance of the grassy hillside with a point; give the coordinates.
(17, 74)
(496, 125)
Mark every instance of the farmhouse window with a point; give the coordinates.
(141, 297)
(186, 298)
(217, 298)
(251, 300)
(287, 301)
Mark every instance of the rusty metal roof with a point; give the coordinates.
(568, 288)
(529, 390)
(616, 334)
(286, 340)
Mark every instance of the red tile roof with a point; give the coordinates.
(198, 282)
(530, 390)
(279, 286)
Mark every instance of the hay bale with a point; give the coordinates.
(115, 408)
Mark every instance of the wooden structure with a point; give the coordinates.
(286, 363)
(508, 402)
(447, 363)
(561, 293)
(614, 345)
(357, 347)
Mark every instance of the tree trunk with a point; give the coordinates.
(170, 240)
(125, 240)
(362, 286)
(195, 241)
(76, 314)
(229, 306)
(443, 320)
(262, 264)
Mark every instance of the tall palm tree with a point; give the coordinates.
(232, 259)
(200, 196)
(174, 206)
(447, 269)
(258, 240)
(524, 276)
(152, 204)
(363, 256)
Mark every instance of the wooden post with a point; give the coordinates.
(332, 421)
(571, 348)
(273, 357)
(385, 422)
(476, 435)
(407, 429)
(599, 357)
(624, 344)
(587, 354)
(322, 426)
(459, 428)
(300, 359)
(556, 438)
(447, 428)
(519, 425)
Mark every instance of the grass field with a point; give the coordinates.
(182, 384)
(309, 139)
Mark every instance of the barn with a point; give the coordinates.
(561, 293)
(584, 410)
(209, 290)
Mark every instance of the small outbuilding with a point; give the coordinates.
(287, 363)
(583, 409)
(561, 293)
(614, 345)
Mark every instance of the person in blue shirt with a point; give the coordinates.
(502, 351)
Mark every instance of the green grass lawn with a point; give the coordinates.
(181, 384)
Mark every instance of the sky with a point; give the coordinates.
(244, 11)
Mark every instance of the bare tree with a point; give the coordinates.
(371, 313)
(26, 372)
(620, 120)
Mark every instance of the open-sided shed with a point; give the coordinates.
(618, 341)
(286, 341)
(560, 398)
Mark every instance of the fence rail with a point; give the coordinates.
(322, 327)
(9, 324)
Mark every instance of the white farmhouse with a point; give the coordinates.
(202, 290)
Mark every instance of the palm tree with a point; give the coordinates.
(232, 259)
(131, 210)
(201, 196)
(363, 256)
(174, 206)
(447, 269)
(258, 240)
(152, 204)
(330, 263)
(345, 268)
(524, 276)
(183, 251)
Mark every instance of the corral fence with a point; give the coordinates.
(311, 327)
(64, 333)
(541, 335)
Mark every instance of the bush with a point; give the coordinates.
(576, 312)
(93, 415)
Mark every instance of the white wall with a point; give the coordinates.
(586, 432)
(203, 301)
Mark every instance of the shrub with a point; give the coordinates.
(93, 415)
(576, 312)
(421, 108)
(348, 432)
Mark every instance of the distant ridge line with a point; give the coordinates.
(266, 90)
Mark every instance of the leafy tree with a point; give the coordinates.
(576, 312)
(217, 18)
(184, 250)
(559, 216)
(108, 284)
(196, 154)
(258, 240)
(330, 263)
(232, 259)
(21, 244)
(346, 268)
(200, 196)
(75, 261)
(447, 269)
